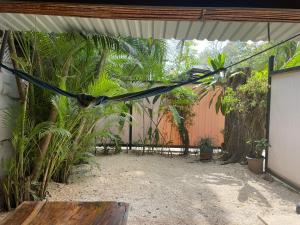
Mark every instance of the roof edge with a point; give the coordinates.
(107, 11)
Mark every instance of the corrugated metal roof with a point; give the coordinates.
(182, 30)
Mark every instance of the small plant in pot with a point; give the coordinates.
(255, 158)
(206, 149)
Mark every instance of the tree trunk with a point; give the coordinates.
(184, 135)
(13, 54)
(43, 146)
(235, 127)
(101, 63)
(240, 127)
(235, 137)
(45, 141)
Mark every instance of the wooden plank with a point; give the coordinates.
(193, 3)
(71, 213)
(146, 12)
(20, 214)
(256, 15)
(100, 10)
(34, 213)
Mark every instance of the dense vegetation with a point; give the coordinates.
(52, 133)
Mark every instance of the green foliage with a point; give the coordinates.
(247, 104)
(218, 62)
(205, 145)
(176, 117)
(229, 101)
(26, 135)
(252, 95)
(179, 103)
(258, 146)
(217, 83)
(294, 60)
(236, 51)
(72, 63)
(147, 64)
(181, 59)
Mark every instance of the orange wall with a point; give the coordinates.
(206, 123)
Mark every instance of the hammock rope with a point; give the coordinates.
(86, 100)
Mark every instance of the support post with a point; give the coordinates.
(270, 70)
(130, 127)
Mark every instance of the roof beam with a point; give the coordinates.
(106, 11)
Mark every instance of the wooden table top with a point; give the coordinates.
(68, 213)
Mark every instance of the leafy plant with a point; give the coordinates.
(51, 133)
(179, 103)
(257, 147)
(206, 145)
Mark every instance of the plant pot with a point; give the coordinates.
(206, 155)
(255, 165)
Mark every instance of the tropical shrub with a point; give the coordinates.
(245, 105)
(205, 145)
(205, 148)
(52, 133)
(179, 103)
(257, 148)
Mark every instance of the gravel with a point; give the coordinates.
(177, 191)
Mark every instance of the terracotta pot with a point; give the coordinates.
(205, 155)
(255, 165)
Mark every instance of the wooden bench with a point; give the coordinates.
(68, 213)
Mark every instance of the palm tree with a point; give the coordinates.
(70, 62)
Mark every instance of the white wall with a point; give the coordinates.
(8, 97)
(139, 131)
(284, 153)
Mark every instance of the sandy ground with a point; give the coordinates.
(178, 191)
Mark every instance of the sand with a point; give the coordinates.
(178, 191)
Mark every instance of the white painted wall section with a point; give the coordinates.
(284, 153)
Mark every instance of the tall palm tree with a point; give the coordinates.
(71, 63)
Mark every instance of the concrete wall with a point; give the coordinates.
(8, 97)
(284, 153)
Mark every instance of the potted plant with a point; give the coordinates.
(255, 158)
(206, 149)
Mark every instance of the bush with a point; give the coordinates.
(206, 145)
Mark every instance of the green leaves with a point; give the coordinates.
(218, 62)
(292, 62)
(249, 96)
(176, 117)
